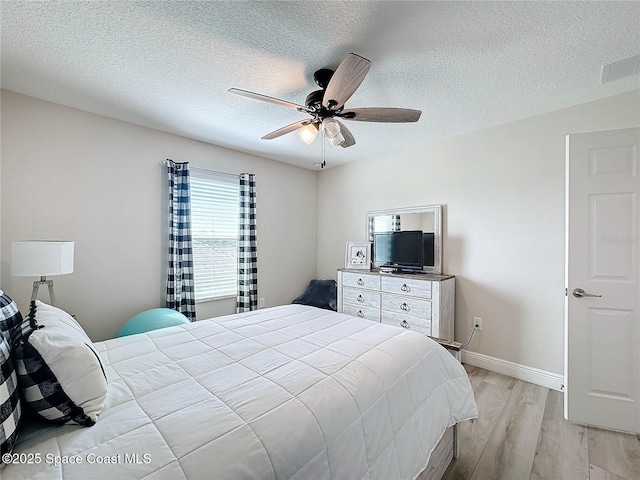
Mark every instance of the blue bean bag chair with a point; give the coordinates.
(152, 320)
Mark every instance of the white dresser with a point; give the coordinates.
(421, 302)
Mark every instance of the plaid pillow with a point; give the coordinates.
(10, 410)
(60, 372)
(10, 320)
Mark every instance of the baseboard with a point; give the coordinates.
(515, 370)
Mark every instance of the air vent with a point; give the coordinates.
(620, 69)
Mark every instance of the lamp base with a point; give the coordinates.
(36, 286)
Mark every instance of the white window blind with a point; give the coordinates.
(214, 230)
(383, 223)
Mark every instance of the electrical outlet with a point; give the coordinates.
(477, 322)
(261, 302)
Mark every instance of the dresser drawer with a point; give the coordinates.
(414, 307)
(407, 286)
(362, 312)
(411, 323)
(364, 298)
(358, 280)
(424, 302)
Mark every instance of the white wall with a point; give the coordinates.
(71, 175)
(503, 196)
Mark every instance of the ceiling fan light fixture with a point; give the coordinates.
(337, 140)
(308, 133)
(336, 87)
(331, 130)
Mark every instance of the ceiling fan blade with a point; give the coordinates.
(348, 136)
(284, 130)
(265, 98)
(382, 114)
(345, 80)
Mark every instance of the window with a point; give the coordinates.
(384, 223)
(214, 230)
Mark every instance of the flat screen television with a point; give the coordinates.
(399, 251)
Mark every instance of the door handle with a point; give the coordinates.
(580, 293)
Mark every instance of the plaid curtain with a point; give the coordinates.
(395, 221)
(180, 289)
(247, 246)
(371, 227)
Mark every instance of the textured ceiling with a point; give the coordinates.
(168, 65)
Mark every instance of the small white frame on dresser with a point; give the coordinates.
(419, 218)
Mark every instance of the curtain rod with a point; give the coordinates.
(165, 163)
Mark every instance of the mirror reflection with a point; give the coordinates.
(407, 222)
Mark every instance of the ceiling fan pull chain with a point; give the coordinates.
(324, 162)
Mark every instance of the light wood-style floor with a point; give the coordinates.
(521, 434)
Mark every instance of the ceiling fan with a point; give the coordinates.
(326, 106)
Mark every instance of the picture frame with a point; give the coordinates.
(358, 256)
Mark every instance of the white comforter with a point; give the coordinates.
(285, 392)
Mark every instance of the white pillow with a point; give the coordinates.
(59, 370)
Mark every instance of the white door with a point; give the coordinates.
(602, 325)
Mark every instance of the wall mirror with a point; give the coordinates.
(427, 218)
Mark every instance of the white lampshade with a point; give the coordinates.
(331, 130)
(41, 258)
(308, 133)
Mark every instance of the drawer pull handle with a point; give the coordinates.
(404, 307)
(404, 324)
(360, 314)
(360, 281)
(360, 298)
(405, 288)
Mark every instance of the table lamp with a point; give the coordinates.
(41, 259)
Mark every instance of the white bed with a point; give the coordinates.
(286, 392)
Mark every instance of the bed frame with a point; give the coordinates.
(445, 451)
